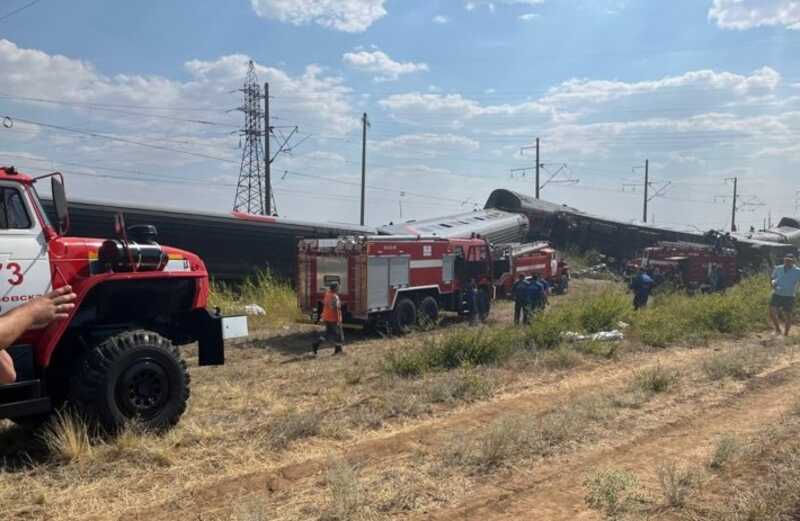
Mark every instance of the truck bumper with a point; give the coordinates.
(212, 329)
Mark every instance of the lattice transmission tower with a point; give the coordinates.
(251, 189)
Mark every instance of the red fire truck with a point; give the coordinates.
(394, 280)
(512, 260)
(691, 265)
(115, 359)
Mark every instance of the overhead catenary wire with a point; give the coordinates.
(90, 106)
(18, 10)
(158, 178)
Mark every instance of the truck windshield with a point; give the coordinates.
(37, 201)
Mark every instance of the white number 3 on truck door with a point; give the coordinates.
(24, 263)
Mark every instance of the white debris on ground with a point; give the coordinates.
(254, 310)
(598, 271)
(603, 336)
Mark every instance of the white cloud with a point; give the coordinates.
(352, 16)
(380, 63)
(317, 98)
(425, 144)
(598, 91)
(492, 4)
(528, 17)
(747, 14)
(454, 104)
(440, 19)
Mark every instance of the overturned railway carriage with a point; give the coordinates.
(787, 232)
(567, 226)
(233, 246)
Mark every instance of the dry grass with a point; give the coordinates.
(655, 380)
(738, 363)
(726, 448)
(273, 406)
(292, 425)
(511, 440)
(613, 492)
(676, 483)
(67, 439)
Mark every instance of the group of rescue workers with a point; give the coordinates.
(530, 296)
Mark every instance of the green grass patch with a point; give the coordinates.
(274, 295)
(673, 317)
(676, 316)
(604, 311)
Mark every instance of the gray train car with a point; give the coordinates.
(233, 246)
(787, 232)
(497, 226)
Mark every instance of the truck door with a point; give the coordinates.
(24, 261)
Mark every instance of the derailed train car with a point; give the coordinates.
(787, 232)
(233, 246)
(496, 226)
(566, 226)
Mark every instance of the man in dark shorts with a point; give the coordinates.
(784, 288)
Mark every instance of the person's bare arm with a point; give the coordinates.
(7, 373)
(38, 312)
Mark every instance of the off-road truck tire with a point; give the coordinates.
(404, 316)
(133, 376)
(429, 309)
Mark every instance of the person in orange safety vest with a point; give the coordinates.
(331, 315)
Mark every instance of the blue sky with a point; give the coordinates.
(704, 89)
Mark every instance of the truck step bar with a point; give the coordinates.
(23, 399)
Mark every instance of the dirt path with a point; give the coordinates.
(554, 490)
(385, 448)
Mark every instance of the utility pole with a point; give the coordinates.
(538, 164)
(735, 195)
(250, 187)
(660, 188)
(364, 125)
(267, 155)
(646, 187)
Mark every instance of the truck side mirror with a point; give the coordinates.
(60, 204)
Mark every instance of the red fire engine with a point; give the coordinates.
(115, 359)
(512, 260)
(394, 280)
(692, 265)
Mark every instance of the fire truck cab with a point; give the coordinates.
(115, 358)
(394, 281)
(513, 260)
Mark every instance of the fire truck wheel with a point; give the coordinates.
(404, 316)
(429, 308)
(136, 375)
(484, 303)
